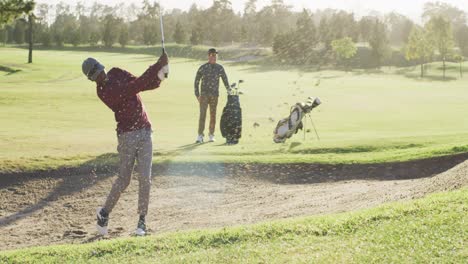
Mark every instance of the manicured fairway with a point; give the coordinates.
(50, 114)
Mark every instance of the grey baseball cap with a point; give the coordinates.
(92, 68)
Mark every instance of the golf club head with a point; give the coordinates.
(241, 81)
(315, 101)
(233, 85)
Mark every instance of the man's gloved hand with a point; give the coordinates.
(163, 72)
(164, 62)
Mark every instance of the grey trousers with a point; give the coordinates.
(133, 146)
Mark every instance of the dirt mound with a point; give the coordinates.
(454, 178)
(57, 209)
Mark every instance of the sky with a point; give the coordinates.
(410, 8)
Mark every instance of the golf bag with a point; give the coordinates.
(289, 126)
(231, 119)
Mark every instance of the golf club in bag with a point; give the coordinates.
(289, 126)
(231, 119)
(166, 73)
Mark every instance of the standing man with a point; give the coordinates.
(209, 74)
(119, 90)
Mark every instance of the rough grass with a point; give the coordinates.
(430, 230)
(51, 117)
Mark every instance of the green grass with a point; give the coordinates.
(232, 53)
(430, 230)
(52, 118)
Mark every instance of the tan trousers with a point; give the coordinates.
(133, 146)
(212, 102)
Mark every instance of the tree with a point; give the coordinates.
(273, 20)
(459, 58)
(75, 37)
(399, 28)
(304, 39)
(378, 42)
(85, 28)
(150, 36)
(220, 27)
(42, 32)
(111, 30)
(419, 47)
(179, 34)
(123, 37)
(148, 23)
(282, 47)
(11, 9)
(19, 31)
(64, 28)
(344, 49)
(30, 35)
(366, 24)
(462, 39)
(440, 31)
(455, 16)
(46, 38)
(94, 38)
(197, 34)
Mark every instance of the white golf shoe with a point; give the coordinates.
(199, 139)
(212, 138)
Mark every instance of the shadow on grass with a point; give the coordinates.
(8, 70)
(415, 73)
(269, 64)
(292, 149)
(431, 77)
(367, 71)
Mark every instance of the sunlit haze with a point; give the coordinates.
(412, 8)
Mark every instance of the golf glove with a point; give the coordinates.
(163, 72)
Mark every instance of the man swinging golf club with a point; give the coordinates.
(119, 90)
(209, 74)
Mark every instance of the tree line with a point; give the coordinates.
(319, 38)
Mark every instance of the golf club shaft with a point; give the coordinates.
(162, 35)
(162, 30)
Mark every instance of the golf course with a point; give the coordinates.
(362, 191)
(51, 116)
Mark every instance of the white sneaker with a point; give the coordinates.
(212, 138)
(199, 139)
(140, 232)
(102, 222)
(141, 228)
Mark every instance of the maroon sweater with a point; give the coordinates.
(120, 94)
